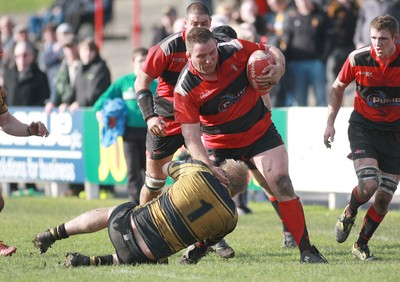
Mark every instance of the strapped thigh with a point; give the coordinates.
(154, 184)
(368, 173)
(388, 184)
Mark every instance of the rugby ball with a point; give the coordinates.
(256, 63)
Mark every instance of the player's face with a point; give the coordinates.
(197, 20)
(137, 63)
(383, 43)
(204, 57)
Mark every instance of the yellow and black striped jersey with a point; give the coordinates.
(196, 207)
(3, 106)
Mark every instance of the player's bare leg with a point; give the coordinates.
(273, 164)
(88, 222)
(288, 240)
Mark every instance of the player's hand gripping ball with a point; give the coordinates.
(256, 63)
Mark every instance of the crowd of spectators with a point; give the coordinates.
(315, 35)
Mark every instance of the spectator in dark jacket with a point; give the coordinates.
(92, 78)
(26, 84)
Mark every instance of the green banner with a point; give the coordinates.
(108, 166)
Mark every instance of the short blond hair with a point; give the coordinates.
(238, 174)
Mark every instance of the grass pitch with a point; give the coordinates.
(21, 6)
(257, 241)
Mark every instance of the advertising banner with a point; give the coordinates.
(58, 157)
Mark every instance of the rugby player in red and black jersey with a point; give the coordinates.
(374, 129)
(213, 99)
(164, 62)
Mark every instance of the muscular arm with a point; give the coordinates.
(192, 135)
(14, 127)
(335, 102)
(142, 81)
(155, 124)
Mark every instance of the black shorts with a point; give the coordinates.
(158, 148)
(382, 146)
(268, 141)
(120, 233)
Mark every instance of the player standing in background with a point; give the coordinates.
(374, 129)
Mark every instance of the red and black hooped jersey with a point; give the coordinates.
(377, 99)
(165, 62)
(231, 113)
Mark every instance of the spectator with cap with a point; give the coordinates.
(63, 30)
(66, 73)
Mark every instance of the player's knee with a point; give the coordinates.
(388, 184)
(154, 184)
(368, 180)
(285, 186)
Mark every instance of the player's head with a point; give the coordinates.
(197, 15)
(238, 174)
(138, 57)
(201, 50)
(226, 30)
(386, 22)
(384, 32)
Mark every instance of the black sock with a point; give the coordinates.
(59, 232)
(102, 260)
(355, 203)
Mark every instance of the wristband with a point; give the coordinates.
(146, 103)
(28, 131)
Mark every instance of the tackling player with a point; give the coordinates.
(196, 208)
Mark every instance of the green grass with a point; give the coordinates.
(22, 6)
(257, 241)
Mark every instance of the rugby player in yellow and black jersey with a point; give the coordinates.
(196, 208)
